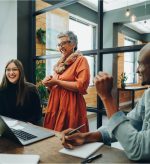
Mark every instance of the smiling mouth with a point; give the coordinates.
(12, 77)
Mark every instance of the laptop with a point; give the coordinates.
(22, 132)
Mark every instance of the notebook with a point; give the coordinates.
(83, 151)
(22, 132)
(19, 159)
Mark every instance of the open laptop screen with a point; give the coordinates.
(22, 132)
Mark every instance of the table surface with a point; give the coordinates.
(48, 150)
(133, 88)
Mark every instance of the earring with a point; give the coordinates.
(73, 50)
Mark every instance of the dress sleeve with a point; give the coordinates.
(82, 75)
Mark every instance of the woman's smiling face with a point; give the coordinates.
(12, 73)
(65, 46)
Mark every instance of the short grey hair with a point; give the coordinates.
(72, 37)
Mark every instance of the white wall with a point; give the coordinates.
(108, 63)
(8, 32)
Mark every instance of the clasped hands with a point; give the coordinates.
(49, 81)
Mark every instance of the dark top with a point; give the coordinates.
(30, 111)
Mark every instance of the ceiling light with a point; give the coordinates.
(127, 13)
(145, 13)
(133, 18)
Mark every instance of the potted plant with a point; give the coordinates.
(40, 74)
(123, 79)
(41, 35)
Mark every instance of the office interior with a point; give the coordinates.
(109, 38)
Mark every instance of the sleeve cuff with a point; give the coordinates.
(115, 120)
(105, 135)
(81, 88)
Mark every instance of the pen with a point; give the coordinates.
(90, 159)
(75, 130)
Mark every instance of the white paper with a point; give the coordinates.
(117, 145)
(19, 159)
(82, 151)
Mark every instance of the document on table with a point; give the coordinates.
(19, 159)
(83, 151)
(117, 145)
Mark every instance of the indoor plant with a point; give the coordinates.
(41, 35)
(123, 79)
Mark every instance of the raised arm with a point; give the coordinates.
(135, 143)
(104, 84)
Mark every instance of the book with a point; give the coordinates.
(83, 151)
(19, 159)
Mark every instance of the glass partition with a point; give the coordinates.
(48, 25)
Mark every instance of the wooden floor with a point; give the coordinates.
(93, 121)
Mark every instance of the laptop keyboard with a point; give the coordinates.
(23, 135)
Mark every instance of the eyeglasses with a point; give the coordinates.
(12, 69)
(63, 43)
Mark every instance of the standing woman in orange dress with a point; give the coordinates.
(66, 105)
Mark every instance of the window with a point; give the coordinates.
(130, 65)
(85, 33)
(91, 61)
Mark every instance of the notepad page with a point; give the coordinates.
(117, 145)
(83, 151)
(19, 159)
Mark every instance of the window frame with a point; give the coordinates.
(134, 61)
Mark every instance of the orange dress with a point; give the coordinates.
(67, 109)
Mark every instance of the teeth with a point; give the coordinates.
(12, 77)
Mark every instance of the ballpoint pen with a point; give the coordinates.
(69, 133)
(90, 159)
(75, 130)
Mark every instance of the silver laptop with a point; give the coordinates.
(22, 132)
